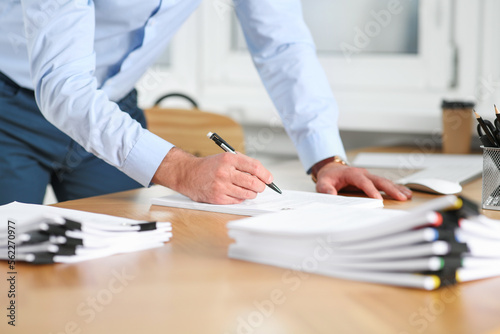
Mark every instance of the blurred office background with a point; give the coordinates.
(389, 64)
(389, 89)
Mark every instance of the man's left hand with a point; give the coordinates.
(334, 177)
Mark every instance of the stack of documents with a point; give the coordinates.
(270, 201)
(440, 243)
(41, 234)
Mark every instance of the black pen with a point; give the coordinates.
(228, 148)
(497, 114)
(486, 129)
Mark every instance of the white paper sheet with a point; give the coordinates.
(270, 201)
(416, 160)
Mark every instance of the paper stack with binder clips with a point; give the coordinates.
(41, 234)
(442, 242)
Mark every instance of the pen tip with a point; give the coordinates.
(209, 134)
(475, 113)
(274, 187)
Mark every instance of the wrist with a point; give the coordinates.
(169, 173)
(335, 160)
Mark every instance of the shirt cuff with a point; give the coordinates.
(145, 157)
(317, 146)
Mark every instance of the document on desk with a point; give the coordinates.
(43, 234)
(439, 173)
(417, 160)
(270, 201)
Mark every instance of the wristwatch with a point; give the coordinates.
(333, 160)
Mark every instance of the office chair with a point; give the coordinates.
(188, 128)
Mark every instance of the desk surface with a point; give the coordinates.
(191, 286)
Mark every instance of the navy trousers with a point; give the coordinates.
(34, 153)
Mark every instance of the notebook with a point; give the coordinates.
(270, 201)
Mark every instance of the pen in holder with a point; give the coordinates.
(491, 178)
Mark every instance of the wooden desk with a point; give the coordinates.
(191, 286)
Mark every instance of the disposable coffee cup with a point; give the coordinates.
(457, 126)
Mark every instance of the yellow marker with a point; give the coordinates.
(457, 205)
(431, 282)
(457, 277)
(437, 281)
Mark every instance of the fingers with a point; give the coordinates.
(224, 193)
(347, 177)
(236, 181)
(248, 182)
(254, 167)
(325, 187)
(397, 192)
(332, 180)
(408, 193)
(237, 192)
(225, 200)
(367, 186)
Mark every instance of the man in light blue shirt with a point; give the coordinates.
(80, 60)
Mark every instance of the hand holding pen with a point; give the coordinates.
(226, 147)
(217, 179)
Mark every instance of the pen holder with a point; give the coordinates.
(491, 178)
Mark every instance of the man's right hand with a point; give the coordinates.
(218, 179)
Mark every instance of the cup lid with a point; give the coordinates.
(457, 104)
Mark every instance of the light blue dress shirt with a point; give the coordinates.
(81, 55)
